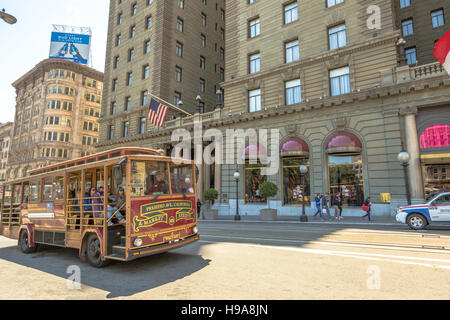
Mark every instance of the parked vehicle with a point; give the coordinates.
(434, 212)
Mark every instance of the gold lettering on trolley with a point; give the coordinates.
(154, 213)
(171, 237)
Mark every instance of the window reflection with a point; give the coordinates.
(345, 172)
(253, 179)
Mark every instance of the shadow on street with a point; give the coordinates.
(120, 279)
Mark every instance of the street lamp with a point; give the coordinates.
(7, 17)
(402, 59)
(180, 105)
(199, 100)
(403, 157)
(303, 171)
(237, 175)
(219, 98)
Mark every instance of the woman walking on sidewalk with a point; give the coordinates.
(366, 207)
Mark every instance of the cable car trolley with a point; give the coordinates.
(120, 204)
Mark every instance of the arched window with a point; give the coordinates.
(294, 153)
(345, 168)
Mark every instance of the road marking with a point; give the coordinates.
(356, 255)
(338, 243)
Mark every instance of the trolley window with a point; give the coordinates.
(149, 178)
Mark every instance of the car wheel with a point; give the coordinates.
(416, 222)
(94, 253)
(24, 243)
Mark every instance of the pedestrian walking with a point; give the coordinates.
(366, 207)
(319, 209)
(339, 204)
(334, 204)
(199, 208)
(324, 203)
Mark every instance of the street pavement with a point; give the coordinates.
(283, 260)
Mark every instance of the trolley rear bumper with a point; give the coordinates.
(138, 253)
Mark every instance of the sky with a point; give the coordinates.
(26, 43)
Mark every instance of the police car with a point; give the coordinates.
(434, 212)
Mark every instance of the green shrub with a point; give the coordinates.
(267, 190)
(210, 195)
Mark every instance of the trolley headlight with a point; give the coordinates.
(195, 229)
(138, 242)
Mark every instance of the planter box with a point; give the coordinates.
(211, 214)
(268, 214)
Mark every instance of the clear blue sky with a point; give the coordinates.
(26, 43)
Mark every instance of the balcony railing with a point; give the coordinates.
(427, 71)
(412, 73)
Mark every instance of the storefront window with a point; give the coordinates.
(293, 189)
(149, 178)
(345, 172)
(436, 178)
(181, 178)
(253, 179)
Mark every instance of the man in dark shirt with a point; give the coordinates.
(158, 186)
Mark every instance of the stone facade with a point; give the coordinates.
(58, 106)
(386, 106)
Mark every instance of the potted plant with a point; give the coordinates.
(267, 190)
(210, 195)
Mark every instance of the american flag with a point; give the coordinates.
(157, 113)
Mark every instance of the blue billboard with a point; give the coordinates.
(70, 46)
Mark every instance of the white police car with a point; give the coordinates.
(434, 212)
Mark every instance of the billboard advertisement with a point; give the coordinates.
(70, 46)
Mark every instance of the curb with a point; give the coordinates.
(311, 222)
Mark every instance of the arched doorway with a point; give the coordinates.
(294, 152)
(345, 168)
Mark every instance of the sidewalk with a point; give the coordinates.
(385, 220)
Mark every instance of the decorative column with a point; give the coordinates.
(218, 171)
(412, 147)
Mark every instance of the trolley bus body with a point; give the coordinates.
(53, 205)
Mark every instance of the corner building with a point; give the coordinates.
(343, 98)
(58, 105)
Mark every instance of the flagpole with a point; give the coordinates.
(157, 98)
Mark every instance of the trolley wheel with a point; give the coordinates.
(416, 221)
(24, 243)
(94, 252)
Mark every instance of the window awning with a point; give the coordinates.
(343, 142)
(294, 147)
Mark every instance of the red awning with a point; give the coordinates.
(294, 147)
(343, 142)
